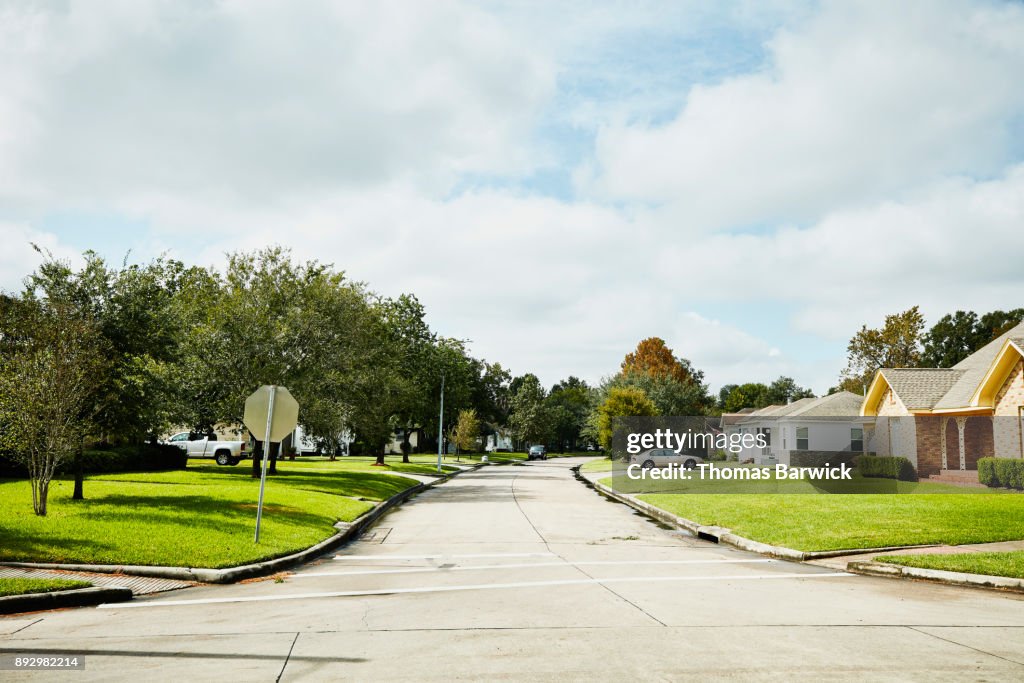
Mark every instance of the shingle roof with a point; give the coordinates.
(938, 388)
(839, 404)
(974, 368)
(921, 388)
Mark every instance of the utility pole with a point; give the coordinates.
(440, 427)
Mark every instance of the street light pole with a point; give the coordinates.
(440, 427)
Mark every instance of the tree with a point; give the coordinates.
(654, 358)
(48, 385)
(749, 395)
(569, 403)
(785, 390)
(995, 323)
(669, 395)
(530, 419)
(466, 430)
(895, 345)
(621, 402)
(723, 394)
(954, 337)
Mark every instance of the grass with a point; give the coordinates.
(840, 522)
(598, 465)
(24, 586)
(203, 516)
(992, 564)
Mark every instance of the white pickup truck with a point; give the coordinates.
(224, 452)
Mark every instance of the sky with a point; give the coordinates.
(750, 181)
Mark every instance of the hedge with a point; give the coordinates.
(886, 467)
(139, 458)
(1004, 472)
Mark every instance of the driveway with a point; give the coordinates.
(521, 572)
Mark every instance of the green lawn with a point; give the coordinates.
(203, 516)
(598, 465)
(992, 564)
(839, 522)
(23, 586)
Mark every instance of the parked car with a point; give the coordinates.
(209, 446)
(665, 457)
(537, 453)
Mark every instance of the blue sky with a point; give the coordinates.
(750, 181)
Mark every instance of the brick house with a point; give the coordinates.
(944, 419)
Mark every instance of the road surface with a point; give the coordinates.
(520, 572)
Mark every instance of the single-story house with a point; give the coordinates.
(945, 419)
(809, 427)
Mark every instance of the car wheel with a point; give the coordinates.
(223, 458)
(648, 465)
(690, 464)
(235, 461)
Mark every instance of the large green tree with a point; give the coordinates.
(531, 419)
(897, 344)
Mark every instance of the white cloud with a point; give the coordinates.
(18, 258)
(237, 102)
(864, 102)
(870, 161)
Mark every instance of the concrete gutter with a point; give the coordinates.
(79, 597)
(937, 575)
(348, 532)
(717, 534)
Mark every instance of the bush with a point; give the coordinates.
(1004, 472)
(886, 467)
(131, 459)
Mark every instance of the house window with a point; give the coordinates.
(801, 439)
(857, 439)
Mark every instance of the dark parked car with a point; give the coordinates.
(537, 453)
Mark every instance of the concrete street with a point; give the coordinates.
(521, 572)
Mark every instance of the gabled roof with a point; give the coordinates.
(921, 388)
(974, 368)
(945, 389)
(839, 404)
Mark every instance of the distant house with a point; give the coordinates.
(804, 431)
(499, 441)
(944, 419)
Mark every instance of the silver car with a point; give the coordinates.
(665, 457)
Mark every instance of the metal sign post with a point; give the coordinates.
(274, 410)
(440, 427)
(272, 391)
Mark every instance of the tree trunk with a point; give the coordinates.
(257, 459)
(380, 457)
(272, 469)
(406, 447)
(79, 493)
(40, 502)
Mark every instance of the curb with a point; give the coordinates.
(248, 571)
(79, 597)
(897, 571)
(717, 534)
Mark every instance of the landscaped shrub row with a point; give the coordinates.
(1003, 472)
(886, 467)
(120, 459)
(133, 458)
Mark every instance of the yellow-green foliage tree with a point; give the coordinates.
(621, 402)
(467, 429)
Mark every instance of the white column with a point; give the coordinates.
(960, 422)
(942, 440)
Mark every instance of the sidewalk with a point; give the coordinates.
(139, 585)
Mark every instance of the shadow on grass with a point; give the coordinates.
(199, 512)
(26, 546)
